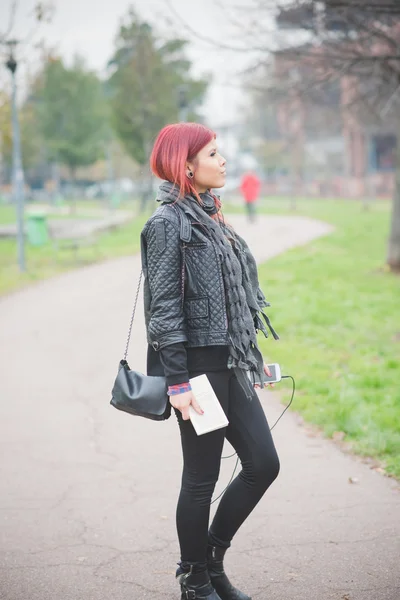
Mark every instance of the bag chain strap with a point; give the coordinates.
(133, 316)
(137, 296)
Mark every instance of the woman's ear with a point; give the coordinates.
(189, 171)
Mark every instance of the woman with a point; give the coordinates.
(203, 310)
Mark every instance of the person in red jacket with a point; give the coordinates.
(250, 188)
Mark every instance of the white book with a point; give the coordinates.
(214, 416)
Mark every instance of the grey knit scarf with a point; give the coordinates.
(243, 296)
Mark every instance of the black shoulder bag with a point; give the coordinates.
(138, 394)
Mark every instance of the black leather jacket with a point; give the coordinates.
(182, 304)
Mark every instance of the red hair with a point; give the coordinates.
(175, 145)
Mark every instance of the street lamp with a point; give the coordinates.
(17, 171)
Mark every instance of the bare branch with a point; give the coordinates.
(42, 13)
(212, 41)
(13, 10)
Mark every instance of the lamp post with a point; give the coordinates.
(17, 171)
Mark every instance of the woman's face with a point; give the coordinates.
(208, 168)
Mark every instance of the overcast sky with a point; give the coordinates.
(89, 27)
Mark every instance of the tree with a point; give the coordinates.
(352, 41)
(31, 140)
(71, 113)
(5, 133)
(356, 41)
(145, 88)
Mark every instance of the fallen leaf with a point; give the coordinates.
(353, 480)
(379, 470)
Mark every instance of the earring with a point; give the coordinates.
(190, 175)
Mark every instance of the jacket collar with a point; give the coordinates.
(168, 193)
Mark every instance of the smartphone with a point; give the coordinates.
(275, 371)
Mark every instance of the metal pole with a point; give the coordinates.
(18, 174)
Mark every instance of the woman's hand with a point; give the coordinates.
(182, 403)
(267, 372)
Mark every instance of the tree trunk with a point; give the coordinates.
(56, 179)
(72, 209)
(369, 194)
(296, 172)
(146, 191)
(393, 258)
(112, 198)
(147, 180)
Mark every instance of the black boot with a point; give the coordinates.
(195, 586)
(221, 583)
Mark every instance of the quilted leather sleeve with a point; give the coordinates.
(163, 271)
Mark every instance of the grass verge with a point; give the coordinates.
(337, 312)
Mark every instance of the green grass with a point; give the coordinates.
(7, 215)
(337, 312)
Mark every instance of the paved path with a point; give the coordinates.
(88, 493)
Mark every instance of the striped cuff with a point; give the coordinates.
(179, 388)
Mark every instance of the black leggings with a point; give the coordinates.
(248, 432)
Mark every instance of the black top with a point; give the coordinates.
(178, 360)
